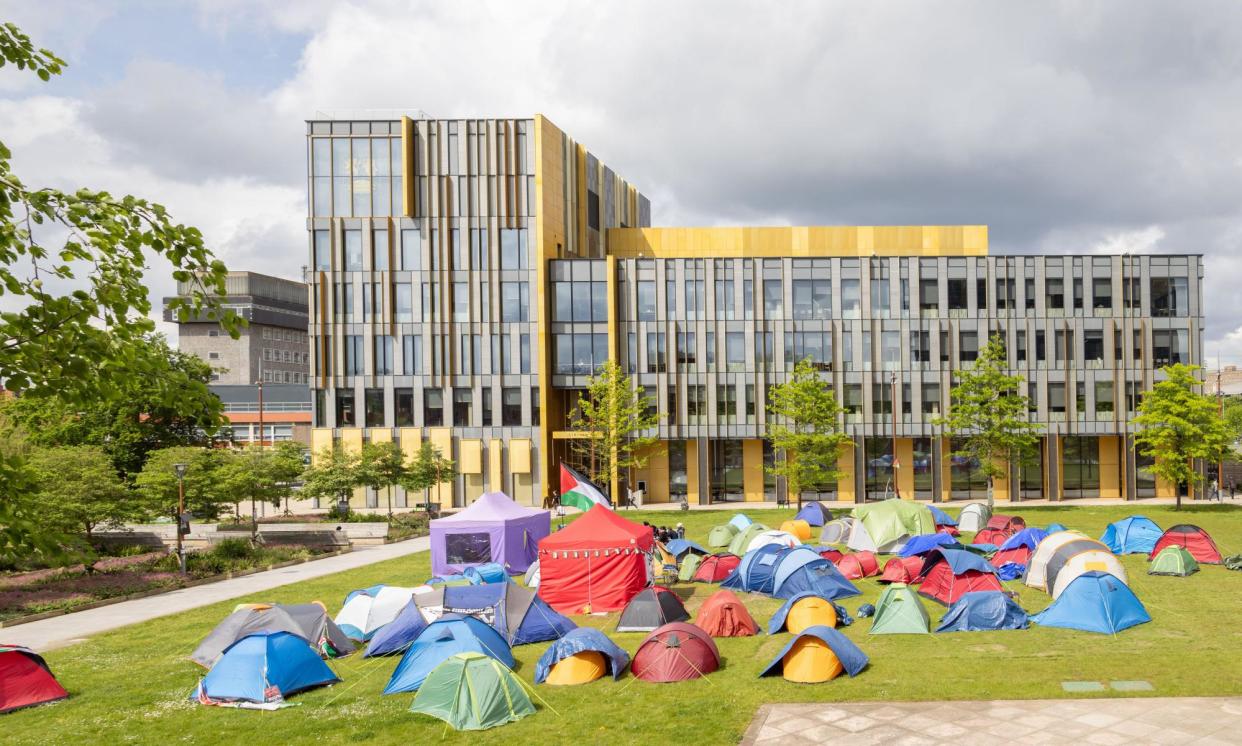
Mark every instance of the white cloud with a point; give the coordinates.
(1141, 241)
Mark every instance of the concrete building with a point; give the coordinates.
(470, 274)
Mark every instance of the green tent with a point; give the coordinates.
(743, 540)
(720, 536)
(885, 525)
(899, 612)
(691, 563)
(1173, 560)
(472, 691)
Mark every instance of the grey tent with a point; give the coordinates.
(309, 621)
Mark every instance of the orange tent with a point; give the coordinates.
(724, 615)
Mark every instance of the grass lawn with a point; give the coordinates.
(130, 686)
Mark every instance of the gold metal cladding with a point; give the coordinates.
(804, 241)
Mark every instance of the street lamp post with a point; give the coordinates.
(893, 406)
(179, 470)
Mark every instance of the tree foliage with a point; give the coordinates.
(205, 490)
(380, 466)
(260, 475)
(1176, 425)
(614, 414)
(333, 475)
(988, 414)
(429, 468)
(79, 491)
(805, 430)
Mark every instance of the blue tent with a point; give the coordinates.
(678, 547)
(1027, 537)
(814, 513)
(959, 561)
(447, 636)
(517, 612)
(788, 562)
(577, 641)
(1055, 527)
(755, 570)
(740, 522)
(1010, 571)
(1134, 535)
(852, 658)
(1095, 602)
(264, 667)
(489, 572)
(940, 517)
(982, 611)
(777, 622)
(924, 543)
(397, 635)
(820, 577)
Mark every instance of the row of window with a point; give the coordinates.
(473, 253)
(510, 355)
(278, 334)
(272, 355)
(285, 376)
(440, 407)
(514, 301)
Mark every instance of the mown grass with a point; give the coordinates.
(130, 686)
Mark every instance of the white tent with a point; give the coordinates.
(532, 575)
(784, 538)
(366, 610)
(974, 517)
(836, 531)
(1037, 568)
(1100, 560)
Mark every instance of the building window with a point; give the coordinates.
(750, 402)
(404, 410)
(433, 408)
(513, 249)
(853, 402)
(1104, 396)
(1168, 346)
(344, 300)
(735, 351)
(726, 403)
(890, 350)
(374, 407)
(748, 298)
(687, 355)
(213, 356)
(580, 301)
(695, 299)
(1054, 289)
(968, 346)
(1169, 297)
(412, 354)
(812, 299)
(323, 251)
(957, 294)
(353, 251)
(696, 403)
(411, 250)
(815, 347)
(1102, 293)
(463, 401)
(646, 300)
(345, 412)
(1077, 293)
(379, 250)
(535, 416)
(1028, 289)
(1056, 398)
(929, 296)
(485, 395)
(773, 300)
(354, 355)
(1063, 345)
(879, 297)
(920, 347)
(383, 356)
(656, 361)
(511, 407)
(403, 298)
(524, 353)
(724, 299)
(1006, 300)
(1093, 345)
(580, 354)
(515, 300)
(851, 300)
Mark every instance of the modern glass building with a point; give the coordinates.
(469, 275)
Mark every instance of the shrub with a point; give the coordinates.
(232, 549)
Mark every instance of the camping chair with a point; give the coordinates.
(664, 565)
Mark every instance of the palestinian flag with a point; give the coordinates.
(578, 492)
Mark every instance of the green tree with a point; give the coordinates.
(79, 490)
(1176, 425)
(287, 462)
(380, 466)
(259, 475)
(333, 474)
(427, 469)
(805, 430)
(1233, 419)
(614, 415)
(989, 416)
(205, 492)
(83, 343)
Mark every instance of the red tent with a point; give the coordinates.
(1010, 523)
(1018, 555)
(676, 652)
(832, 555)
(902, 570)
(716, 567)
(596, 563)
(25, 680)
(994, 536)
(858, 565)
(1193, 539)
(950, 530)
(724, 615)
(949, 573)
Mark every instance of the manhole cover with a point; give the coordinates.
(1132, 686)
(1082, 686)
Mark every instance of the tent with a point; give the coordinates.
(1194, 540)
(596, 563)
(532, 575)
(688, 566)
(721, 536)
(884, 526)
(780, 538)
(924, 543)
(1055, 527)
(25, 679)
(492, 529)
(940, 517)
(1173, 560)
(566, 662)
(815, 655)
(807, 610)
(675, 652)
(829, 553)
(1036, 577)
(755, 570)
(983, 611)
(902, 570)
(488, 572)
(818, 576)
(679, 548)
(397, 635)
(1009, 523)
(1091, 560)
(724, 615)
(948, 574)
(442, 639)
(973, 517)
(858, 565)
(1017, 549)
(992, 536)
(1134, 535)
(262, 668)
(653, 607)
(837, 531)
(740, 522)
(369, 609)
(470, 691)
(517, 613)
(1095, 602)
(715, 568)
(814, 513)
(899, 611)
(740, 543)
(801, 530)
(308, 621)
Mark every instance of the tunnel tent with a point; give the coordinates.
(1095, 602)
(1091, 560)
(308, 621)
(898, 612)
(721, 536)
(611, 659)
(1193, 539)
(780, 538)
(447, 636)
(26, 680)
(983, 611)
(974, 517)
(814, 513)
(1173, 560)
(755, 570)
(471, 691)
(740, 544)
(1036, 575)
(491, 529)
(815, 655)
(1134, 534)
(263, 669)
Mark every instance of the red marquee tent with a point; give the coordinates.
(25, 680)
(596, 563)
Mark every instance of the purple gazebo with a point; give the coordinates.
(492, 529)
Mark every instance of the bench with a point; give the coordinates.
(325, 539)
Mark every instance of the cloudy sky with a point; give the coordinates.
(1065, 126)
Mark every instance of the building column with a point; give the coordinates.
(752, 470)
(946, 470)
(905, 473)
(1110, 467)
(692, 472)
(846, 486)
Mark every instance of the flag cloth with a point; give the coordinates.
(579, 493)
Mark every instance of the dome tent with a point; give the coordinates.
(366, 611)
(681, 548)
(263, 668)
(858, 565)
(1135, 534)
(755, 570)
(724, 615)
(973, 517)
(924, 543)
(716, 567)
(688, 566)
(740, 521)
(1095, 602)
(837, 531)
(517, 613)
(653, 607)
(902, 570)
(1017, 549)
(815, 655)
(1194, 540)
(442, 639)
(807, 610)
(799, 529)
(532, 575)
(740, 544)
(471, 691)
(1173, 560)
(397, 635)
(884, 526)
(899, 611)
(675, 652)
(596, 563)
(492, 529)
(721, 536)
(983, 611)
(940, 517)
(814, 513)
(308, 621)
(578, 641)
(948, 574)
(26, 680)
(797, 574)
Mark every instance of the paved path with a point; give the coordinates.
(73, 628)
(1147, 720)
